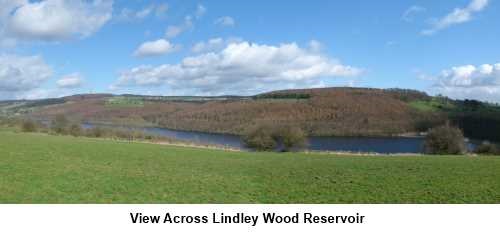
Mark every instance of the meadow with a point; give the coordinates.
(38, 168)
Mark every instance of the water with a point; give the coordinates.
(383, 145)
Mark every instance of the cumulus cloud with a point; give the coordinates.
(18, 73)
(35, 94)
(410, 13)
(225, 21)
(24, 77)
(155, 48)
(469, 81)
(241, 68)
(214, 44)
(7, 6)
(71, 81)
(457, 16)
(53, 20)
(41, 93)
(315, 46)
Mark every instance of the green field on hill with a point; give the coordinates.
(36, 168)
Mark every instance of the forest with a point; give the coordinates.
(318, 112)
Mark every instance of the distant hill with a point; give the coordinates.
(320, 112)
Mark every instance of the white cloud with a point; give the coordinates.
(145, 12)
(469, 81)
(214, 44)
(225, 21)
(241, 68)
(155, 48)
(35, 94)
(53, 20)
(457, 16)
(18, 73)
(410, 13)
(23, 77)
(471, 76)
(175, 30)
(71, 81)
(7, 6)
(41, 93)
(127, 14)
(315, 46)
(200, 11)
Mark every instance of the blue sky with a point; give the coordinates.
(53, 47)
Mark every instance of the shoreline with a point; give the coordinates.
(151, 125)
(232, 149)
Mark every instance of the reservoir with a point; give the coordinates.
(383, 145)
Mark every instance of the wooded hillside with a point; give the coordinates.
(319, 112)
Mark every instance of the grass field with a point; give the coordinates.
(50, 169)
(124, 102)
(433, 105)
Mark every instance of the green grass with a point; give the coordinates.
(37, 168)
(433, 105)
(423, 106)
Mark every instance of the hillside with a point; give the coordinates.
(320, 112)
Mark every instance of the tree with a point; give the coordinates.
(445, 140)
(75, 130)
(95, 132)
(293, 138)
(268, 138)
(487, 148)
(59, 124)
(260, 138)
(28, 126)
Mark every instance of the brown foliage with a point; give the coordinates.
(445, 140)
(28, 126)
(59, 124)
(75, 130)
(326, 112)
(260, 138)
(293, 138)
(272, 137)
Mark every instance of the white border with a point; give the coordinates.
(379, 219)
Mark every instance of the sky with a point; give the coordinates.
(53, 48)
